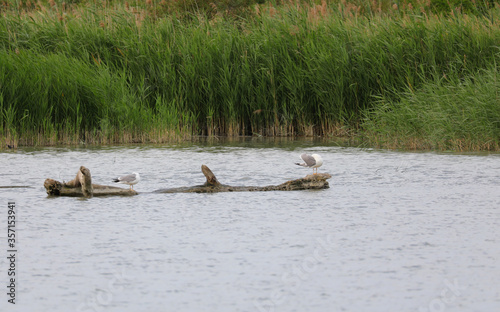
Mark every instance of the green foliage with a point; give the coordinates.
(60, 91)
(465, 6)
(211, 8)
(288, 70)
(449, 113)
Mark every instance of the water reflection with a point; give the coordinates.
(394, 230)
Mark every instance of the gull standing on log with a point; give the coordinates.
(311, 161)
(129, 179)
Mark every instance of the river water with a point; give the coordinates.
(396, 231)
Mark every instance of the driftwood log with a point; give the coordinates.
(82, 185)
(212, 185)
(14, 186)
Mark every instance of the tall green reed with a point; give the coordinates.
(459, 113)
(288, 70)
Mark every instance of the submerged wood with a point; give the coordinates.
(81, 186)
(14, 186)
(212, 185)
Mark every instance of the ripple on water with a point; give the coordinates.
(394, 229)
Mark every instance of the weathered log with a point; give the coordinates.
(14, 186)
(211, 179)
(212, 185)
(81, 186)
(86, 182)
(76, 181)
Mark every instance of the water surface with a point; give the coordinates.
(396, 231)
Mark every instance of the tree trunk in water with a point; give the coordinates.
(212, 185)
(82, 185)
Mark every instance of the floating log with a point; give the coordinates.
(212, 185)
(81, 186)
(14, 186)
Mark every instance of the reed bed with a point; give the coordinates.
(451, 113)
(113, 71)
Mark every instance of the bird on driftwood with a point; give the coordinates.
(129, 179)
(311, 161)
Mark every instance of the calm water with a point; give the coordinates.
(395, 231)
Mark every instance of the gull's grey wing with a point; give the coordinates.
(127, 178)
(308, 159)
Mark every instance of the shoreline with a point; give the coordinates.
(357, 141)
(410, 79)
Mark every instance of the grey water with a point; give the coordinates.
(396, 231)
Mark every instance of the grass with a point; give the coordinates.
(450, 113)
(117, 72)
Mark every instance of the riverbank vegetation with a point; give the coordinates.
(460, 113)
(403, 74)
